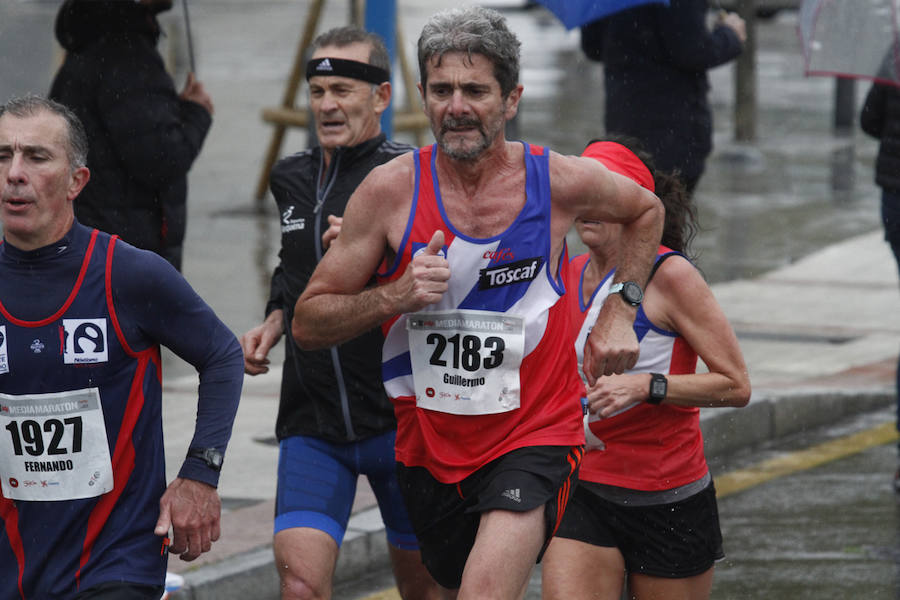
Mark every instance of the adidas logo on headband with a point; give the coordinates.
(342, 67)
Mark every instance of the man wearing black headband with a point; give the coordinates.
(335, 421)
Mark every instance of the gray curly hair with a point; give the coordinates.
(473, 30)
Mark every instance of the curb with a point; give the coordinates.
(771, 417)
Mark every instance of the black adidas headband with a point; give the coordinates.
(341, 67)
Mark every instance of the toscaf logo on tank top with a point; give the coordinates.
(85, 341)
(510, 273)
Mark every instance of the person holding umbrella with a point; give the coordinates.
(655, 59)
(144, 136)
(880, 118)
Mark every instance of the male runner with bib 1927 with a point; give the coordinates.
(476, 357)
(85, 511)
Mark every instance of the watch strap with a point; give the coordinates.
(659, 386)
(211, 456)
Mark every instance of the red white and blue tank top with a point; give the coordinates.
(645, 447)
(489, 368)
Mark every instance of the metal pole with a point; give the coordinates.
(356, 13)
(290, 95)
(381, 18)
(745, 101)
(409, 82)
(844, 105)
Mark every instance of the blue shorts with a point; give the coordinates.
(317, 484)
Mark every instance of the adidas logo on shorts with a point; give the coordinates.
(512, 495)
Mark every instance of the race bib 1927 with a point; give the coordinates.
(54, 446)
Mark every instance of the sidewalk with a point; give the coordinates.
(811, 362)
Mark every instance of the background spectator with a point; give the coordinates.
(143, 135)
(880, 118)
(655, 59)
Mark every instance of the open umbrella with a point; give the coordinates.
(575, 13)
(851, 38)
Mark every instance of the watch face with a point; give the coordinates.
(657, 388)
(215, 459)
(632, 293)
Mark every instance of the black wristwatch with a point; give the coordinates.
(658, 387)
(630, 291)
(212, 457)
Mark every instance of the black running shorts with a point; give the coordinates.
(676, 540)
(445, 517)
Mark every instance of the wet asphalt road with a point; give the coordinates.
(827, 533)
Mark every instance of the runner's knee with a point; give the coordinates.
(305, 560)
(298, 584)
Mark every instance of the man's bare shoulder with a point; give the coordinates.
(570, 174)
(569, 164)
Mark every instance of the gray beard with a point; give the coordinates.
(468, 155)
(471, 154)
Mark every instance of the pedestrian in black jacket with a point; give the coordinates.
(655, 59)
(880, 118)
(335, 421)
(143, 135)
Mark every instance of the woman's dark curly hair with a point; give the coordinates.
(681, 225)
